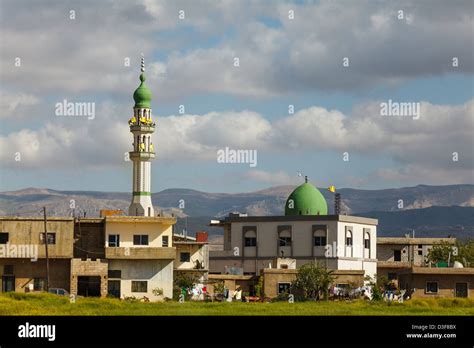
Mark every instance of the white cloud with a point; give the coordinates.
(423, 148)
(10, 103)
(288, 56)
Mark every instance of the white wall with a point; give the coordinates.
(158, 274)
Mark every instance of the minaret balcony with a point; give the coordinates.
(143, 128)
(141, 155)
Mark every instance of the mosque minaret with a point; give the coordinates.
(142, 127)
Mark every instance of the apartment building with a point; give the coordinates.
(23, 253)
(140, 255)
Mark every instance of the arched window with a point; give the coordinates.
(367, 240)
(349, 238)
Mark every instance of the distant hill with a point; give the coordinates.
(432, 221)
(434, 209)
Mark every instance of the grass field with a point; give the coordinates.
(47, 304)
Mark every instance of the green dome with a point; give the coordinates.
(306, 200)
(142, 94)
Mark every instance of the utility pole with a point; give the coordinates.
(46, 248)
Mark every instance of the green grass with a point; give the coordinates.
(47, 304)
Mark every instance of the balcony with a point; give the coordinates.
(142, 155)
(143, 128)
(393, 264)
(140, 253)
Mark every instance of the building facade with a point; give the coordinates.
(140, 256)
(23, 253)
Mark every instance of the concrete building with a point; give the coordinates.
(395, 254)
(23, 254)
(278, 280)
(89, 268)
(254, 244)
(192, 255)
(140, 256)
(431, 282)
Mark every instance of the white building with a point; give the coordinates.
(140, 254)
(306, 233)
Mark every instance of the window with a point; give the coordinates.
(164, 241)
(319, 241)
(51, 238)
(392, 276)
(3, 238)
(397, 255)
(114, 240)
(114, 273)
(139, 286)
(285, 241)
(420, 252)
(349, 239)
(367, 240)
(140, 239)
(250, 241)
(283, 287)
(38, 284)
(431, 287)
(184, 257)
(420, 246)
(8, 269)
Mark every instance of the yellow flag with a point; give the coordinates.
(332, 188)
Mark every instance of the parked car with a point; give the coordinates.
(58, 291)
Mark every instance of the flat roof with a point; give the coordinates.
(230, 277)
(190, 242)
(335, 272)
(315, 218)
(439, 270)
(35, 218)
(141, 219)
(410, 241)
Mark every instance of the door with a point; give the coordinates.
(461, 289)
(114, 288)
(8, 283)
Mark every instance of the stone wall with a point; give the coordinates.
(89, 267)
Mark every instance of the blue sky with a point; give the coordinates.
(283, 62)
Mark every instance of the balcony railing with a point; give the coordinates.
(140, 253)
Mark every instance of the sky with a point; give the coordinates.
(302, 84)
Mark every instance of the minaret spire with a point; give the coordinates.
(142, 127)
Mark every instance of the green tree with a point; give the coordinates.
(185, 282)
(313, 280)
(465, 252)
(379, 285)
(218, 288)
(440, 252)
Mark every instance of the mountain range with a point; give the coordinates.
(433, 210)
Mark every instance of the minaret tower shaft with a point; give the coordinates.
(142, 127)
